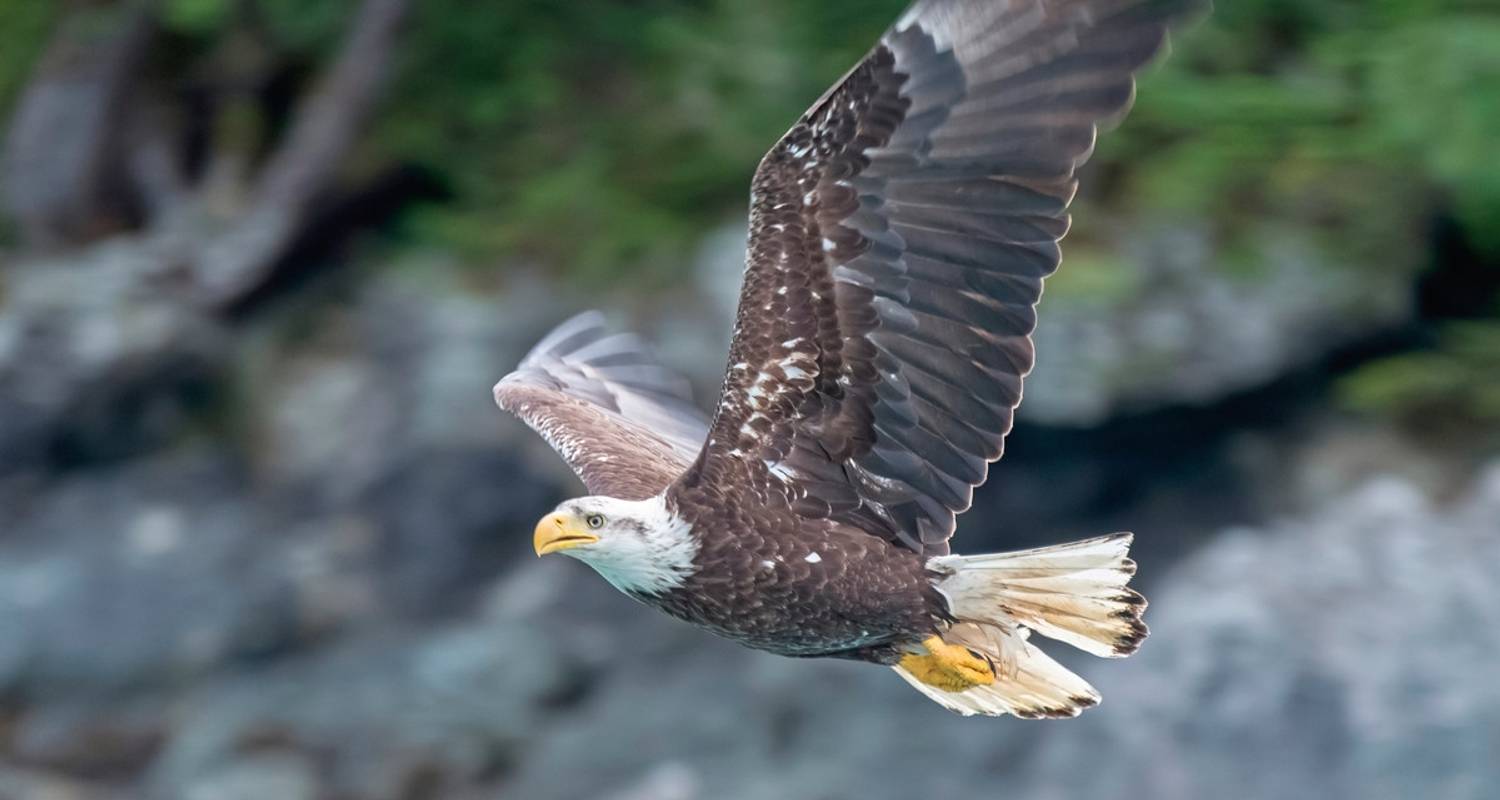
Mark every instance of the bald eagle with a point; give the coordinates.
(899, 236)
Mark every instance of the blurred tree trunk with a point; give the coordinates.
(91, 152)
(84, 318)
(61, 166)
(306, 164)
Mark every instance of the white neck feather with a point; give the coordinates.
(656, 559)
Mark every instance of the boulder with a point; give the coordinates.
(1340, 653)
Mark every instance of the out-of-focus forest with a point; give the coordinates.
(263, 535)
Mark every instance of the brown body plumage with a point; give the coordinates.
(807, 590)
(900, 233)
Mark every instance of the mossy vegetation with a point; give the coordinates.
(603, 138)
(1455, 385)
(607, 137)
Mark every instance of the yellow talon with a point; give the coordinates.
(949, 667)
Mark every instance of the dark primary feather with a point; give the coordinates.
(624, 423)
(900, 232)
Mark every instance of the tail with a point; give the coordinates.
(1073, 593)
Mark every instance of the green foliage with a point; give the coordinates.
(1436, 94)
(201, 17)
(308, 25)
(1094, 276)
(600, 135)
(1352, 122)
(1455, 384)
(607, 135)
(1348, 120)
(293, 25)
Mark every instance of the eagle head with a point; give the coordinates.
(640, 546)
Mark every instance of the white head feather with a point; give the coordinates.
(643, 547)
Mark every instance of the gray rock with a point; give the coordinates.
(35, 785)
(445, 708)
(1342, 654)
(288, 587)
(283, 775)
(1172, 326)
(668, 781)
(1345, 654)
(100, 356)
(721, 721)
(169, 568)
(333, 597)
(87, 736)
(117, 579)
(339, 395)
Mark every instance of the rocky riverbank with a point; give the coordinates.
(301, 571)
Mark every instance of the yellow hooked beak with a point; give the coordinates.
(558, 531)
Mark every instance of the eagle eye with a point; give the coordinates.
(594, 521)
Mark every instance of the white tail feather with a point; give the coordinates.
(1074, 593)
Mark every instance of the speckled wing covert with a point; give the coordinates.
(625, 423)
(899, 235)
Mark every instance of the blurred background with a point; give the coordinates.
(263, 534)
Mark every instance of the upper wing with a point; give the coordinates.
(624, 423)
(900, 232)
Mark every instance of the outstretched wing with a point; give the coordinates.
(624, 423)
(900, 232)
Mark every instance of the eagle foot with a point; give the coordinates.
(949, 667)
